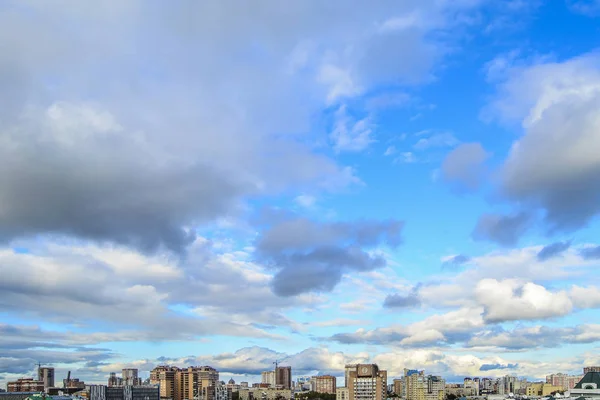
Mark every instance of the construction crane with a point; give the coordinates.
(66, 383)
(276, 364)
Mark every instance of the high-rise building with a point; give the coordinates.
(46, 375)
(25, 385)
(130, 377)
(283, 377)
(367, 382)
(114, 380)
(421, 387)
(324, 384)
(399, 387)
(164, 376)
(268, 377)
(192, 383)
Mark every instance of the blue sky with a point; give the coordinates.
(409, 183)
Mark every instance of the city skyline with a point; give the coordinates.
(408, 183)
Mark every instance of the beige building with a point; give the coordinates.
(268, 377)
(347, 369)
(185, 383)
(367, 382)
(342, 393)
(422, 387)
(542, 389)
(324, 384)
(265, 394)
(46, 375)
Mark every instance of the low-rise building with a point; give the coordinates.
(25, 385)
(588, 387)
(101, 392)
(265, 394)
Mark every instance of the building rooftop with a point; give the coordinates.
(590, 377)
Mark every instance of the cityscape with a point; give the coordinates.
(360, 382)
(299, 199)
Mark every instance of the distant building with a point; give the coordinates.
(25, 385)
(46, 375)
(223, 392)
(185, 383)
(324, 384)
(265, 394)
(590, 369)
(268, 377)
(283, 377)
(398, 387)
(130, 377)
(367, 382)
(422, 387)
(567, 382)
(101, 392)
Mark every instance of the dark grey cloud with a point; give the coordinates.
(463, 166)
(312, 256)
(492, 367)
(402, 301)
(502, 229)
(553, 250)
(456, 261)
(591, 253)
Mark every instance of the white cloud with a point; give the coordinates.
(350, 134)
(306, 200)
(511, 300)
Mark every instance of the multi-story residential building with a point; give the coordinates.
(46, 375)
(591, 369)
(398, 387)
(283, 377)
(413, 380)
(342, 393)
(471, 387)
(223, 392)
(164, 376)
(25, 385)
(367, 382)
(568, 382)
(324, 384)
(418, 386)
(268, 377)
(186, 383)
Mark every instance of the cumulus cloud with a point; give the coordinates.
(511, 300)
(554, 167)
(312, 256)
(463, 166)
(147, 157)
(502, 229)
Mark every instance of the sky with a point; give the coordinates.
(410, 183)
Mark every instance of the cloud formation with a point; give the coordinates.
(463, 166)
(312, 256)
(502, 229)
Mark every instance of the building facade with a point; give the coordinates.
(342, 393)
(588, 386)
(567, 382)
(268, 377)
(101, 392)
(192, 383)
(283, 377)
(46, 375)
(265, 394)
(25, 385)
(399, 387)
(367, 382)
(324, 384)
(347, 369)
(591, 369)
